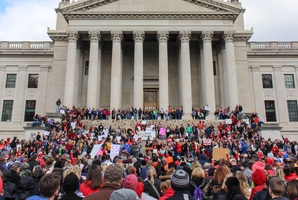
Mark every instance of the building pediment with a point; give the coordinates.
(111, 9)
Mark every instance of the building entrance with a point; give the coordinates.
(151, 97)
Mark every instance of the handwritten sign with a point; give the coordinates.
(207, 142)
(115, 149)
(162, 131)
(95, 150)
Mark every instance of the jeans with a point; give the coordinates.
(162, 137)
(57, 108)
(167, 117)
(135, 116)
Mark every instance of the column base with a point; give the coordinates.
(187, 116)
(210, 116)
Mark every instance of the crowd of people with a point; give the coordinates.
(58, 164)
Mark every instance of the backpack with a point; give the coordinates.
(198, 194)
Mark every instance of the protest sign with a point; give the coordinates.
(228, 121)
(207, 142)
(100, 137)
(143, 122)
(146, 134)
(118, 138)
(155, 151)
(219, 153)
(115, 149)
(136, 137)
(62, 112)
(162, 131)
(95, 150)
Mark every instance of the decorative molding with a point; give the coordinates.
(163, 36)
(31, 93)
(94, 36)
(184, 36)
(9, 93)
(73, 36)
(207, 36)
(116, 36)
(268, 93)
(291, 93)
(139, 36)
(228, 36)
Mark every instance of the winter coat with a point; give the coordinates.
(178, 195)
(203, 159)
(86, 190)
(24, 188)
(259, 179)
(248, 174)
(149, 189)
(105, 192)
(291, 177)
(71, 196)
(262, 195)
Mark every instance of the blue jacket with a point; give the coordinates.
(36, 198)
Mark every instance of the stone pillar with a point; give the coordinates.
(208, 71)
(138, 37)
(19, 101)
(184, 37)
(116, 71)
(93, 79)
(282, 115)
(163, 37)
(70, 69)
(2, 85)
(225, 78)
(231, 70)
(221, 79)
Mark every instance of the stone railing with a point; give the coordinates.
(272, 45)
(26, 45)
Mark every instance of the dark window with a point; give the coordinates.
(214, 68)
(11, 81)
(270, 111)
(33, 81)
(7, 110)
(150, 96)
(267, 81)
(293, 111)
(289, 81)
(86, 68)
(30, 110)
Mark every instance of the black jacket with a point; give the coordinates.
(149, 189)
(24, 188)
(70, 196)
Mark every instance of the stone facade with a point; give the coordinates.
(112, 54)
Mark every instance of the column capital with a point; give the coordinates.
(73, 36)
(162, 36)
(139, 36)
(228, 36)
(207, 36)
(185, 36)
(94, 36)
(116, 36)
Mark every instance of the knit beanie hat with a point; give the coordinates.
(180, 180)
(71, 183)
(124, 194)
(131, 182)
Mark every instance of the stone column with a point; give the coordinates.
(184, 37)
(93, 79)
(208, 71)
(163, 37)
(19, 101)
(2, 85)
(282, 115)
(138, 37)
(231, 70)
(116, 71)
(70, 69)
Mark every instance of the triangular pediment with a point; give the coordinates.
(150, 6)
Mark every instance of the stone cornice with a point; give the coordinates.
(216, 5)
(244, 36)
(151, 15)
(58, 36)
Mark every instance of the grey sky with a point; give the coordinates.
(273, 20)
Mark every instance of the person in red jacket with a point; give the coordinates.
(93, 181)
(166, 189)
(289, 172)
(259, 180)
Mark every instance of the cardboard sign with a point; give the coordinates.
(219, 153)
(115, 149)
(207, 142)
(228, 121)
(95, 150)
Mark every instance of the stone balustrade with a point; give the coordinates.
(26, 45)
(272, 45)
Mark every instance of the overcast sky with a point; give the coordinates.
(272, 20)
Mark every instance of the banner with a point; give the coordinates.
(162, 131)
(146, 134)
(95, 150)
(207, 142)
(115, 149)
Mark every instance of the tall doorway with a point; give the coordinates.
(151, 97)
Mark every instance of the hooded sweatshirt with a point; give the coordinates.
(259, 180)
(203, 159)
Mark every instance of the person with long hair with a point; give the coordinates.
(245, 189)
(152, 184)
(292, 189)
(233, 188)
(93, 181)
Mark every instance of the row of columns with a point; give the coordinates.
(93, 94)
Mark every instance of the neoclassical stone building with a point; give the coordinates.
(147, 54)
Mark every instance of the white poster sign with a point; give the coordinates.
(143, 122)
(118, 138)
(228, 121)
(115, 149)
(146, 134)
(95, 150)
(207, 142)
